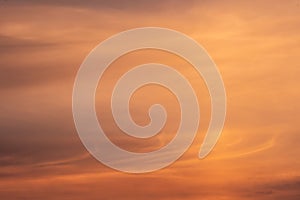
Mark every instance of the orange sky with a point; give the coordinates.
(255, 45)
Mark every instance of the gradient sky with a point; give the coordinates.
(255, 44)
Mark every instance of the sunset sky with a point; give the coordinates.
(256, 46)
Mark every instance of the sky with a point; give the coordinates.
(255, 45)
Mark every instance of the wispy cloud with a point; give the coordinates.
(256, 47)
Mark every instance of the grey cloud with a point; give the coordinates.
(16, 71)
(8, 44)
(16, 75)
(288, 189)
(122, 5)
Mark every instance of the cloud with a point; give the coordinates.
(254, 44)
(124, 6)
